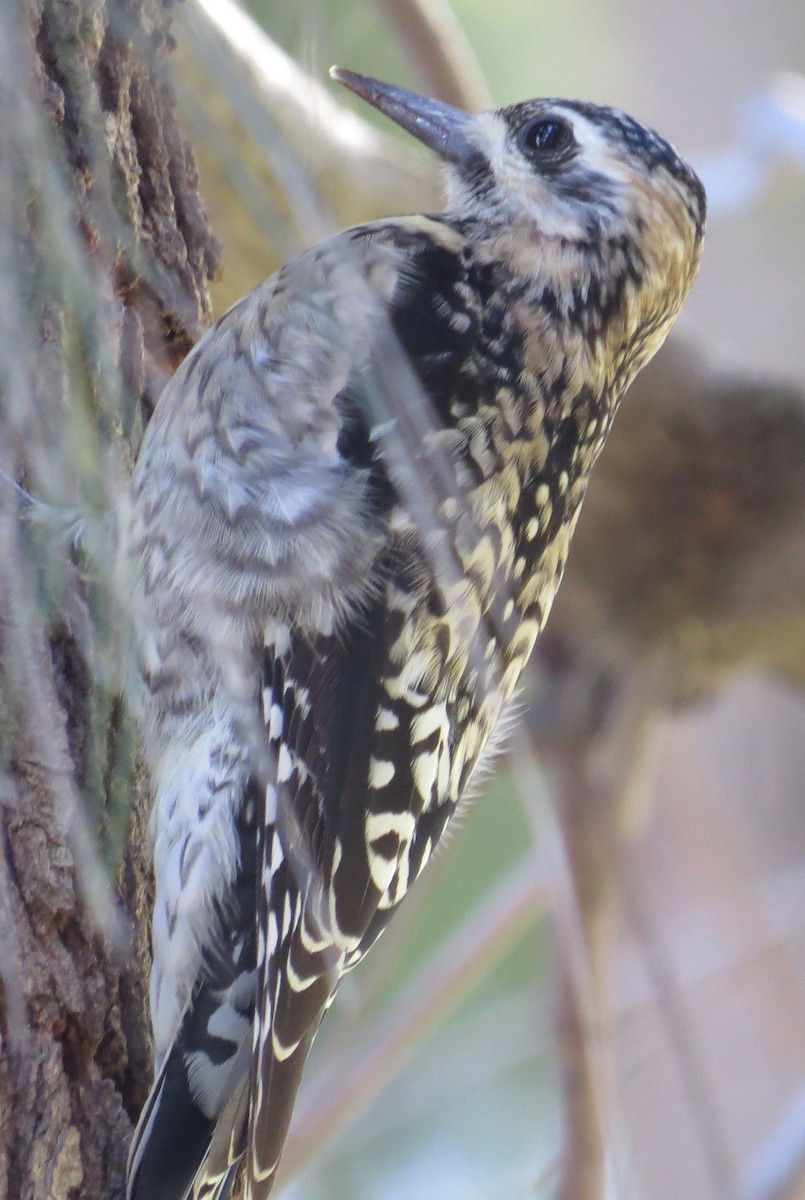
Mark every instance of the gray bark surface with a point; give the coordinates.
(105, 258)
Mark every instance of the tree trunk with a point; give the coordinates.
(105, 255)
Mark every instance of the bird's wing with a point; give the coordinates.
(361, 796)
(362, 771)
(266, 500)
(358, 767)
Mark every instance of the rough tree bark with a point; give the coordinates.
(105, 260)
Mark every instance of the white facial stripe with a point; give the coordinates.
(596, 150)
(493, 140)
(556, 216)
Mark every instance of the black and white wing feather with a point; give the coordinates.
(354, 765)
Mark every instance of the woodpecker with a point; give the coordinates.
(346, 526)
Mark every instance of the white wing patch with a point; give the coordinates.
(388, 847)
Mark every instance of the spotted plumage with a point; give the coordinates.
(346, 527)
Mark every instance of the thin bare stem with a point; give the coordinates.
(592, 778)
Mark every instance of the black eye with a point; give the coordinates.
(546, 138)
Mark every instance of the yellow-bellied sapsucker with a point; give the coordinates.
(344, 532)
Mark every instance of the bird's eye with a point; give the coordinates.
(546, 138)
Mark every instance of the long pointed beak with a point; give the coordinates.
(445, 129)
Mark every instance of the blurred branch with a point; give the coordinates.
(438, 50)
(691, 545)
(345, 1090)
(581, 936)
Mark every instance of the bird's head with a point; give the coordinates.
(585, 200)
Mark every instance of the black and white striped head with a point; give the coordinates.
(559, 174)
(572, 167)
